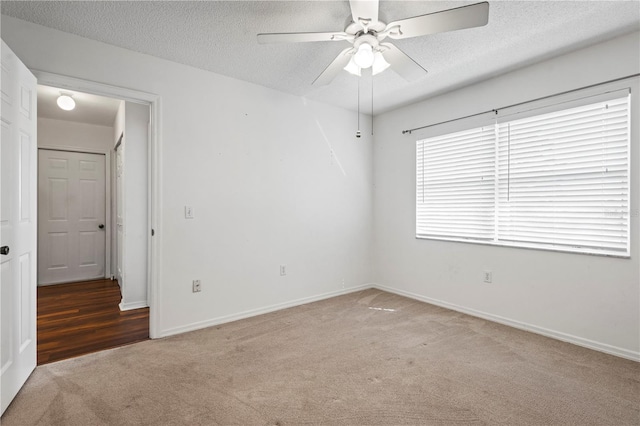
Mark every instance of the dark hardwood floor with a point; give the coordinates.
(79, 318)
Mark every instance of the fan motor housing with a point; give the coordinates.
(369, 38)
(357, 27)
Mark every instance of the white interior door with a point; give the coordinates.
(18, 169)
(71, 216)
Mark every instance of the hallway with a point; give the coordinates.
(79, 318)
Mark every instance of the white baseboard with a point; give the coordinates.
(259, 311)
(602, 347)
(132, 305)
(590, 344)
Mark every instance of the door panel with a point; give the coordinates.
(58, 194)
(87, 248)
(27, 315)
(6, 308)
(71, 209)
(87, 200)
(17, 226)
(25, 164)
(8, 175)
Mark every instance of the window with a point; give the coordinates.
(558, 180)
(456, 185)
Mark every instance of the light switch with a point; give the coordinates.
(188, 212)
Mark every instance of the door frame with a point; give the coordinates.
(154, 175)
(107, 190)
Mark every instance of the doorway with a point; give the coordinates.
(19, 205)
(81, 308)
(153, 237)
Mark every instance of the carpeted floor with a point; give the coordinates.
(362, 359)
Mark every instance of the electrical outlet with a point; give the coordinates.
(488, 276)
(283, 270)
(188, 212)
(197, 287)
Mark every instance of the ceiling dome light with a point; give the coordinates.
(364, 56)
(66, 102)
(379, 63)
(352, 68)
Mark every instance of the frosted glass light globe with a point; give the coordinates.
(66, 102)
(352, 68)
(379, 64)
(364, 56)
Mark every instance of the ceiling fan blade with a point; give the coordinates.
(364, 10)
(401, 63)
(301, 37)
(334, 68)
(475, 15)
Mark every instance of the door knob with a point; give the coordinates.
(4, 250)
(101, 226)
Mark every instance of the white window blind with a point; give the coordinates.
(456, 185)
(563, 178)
(558, 180)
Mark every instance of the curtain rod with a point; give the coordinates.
(521, 103)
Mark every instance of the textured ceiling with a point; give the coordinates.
(90, 109)
(220, 36)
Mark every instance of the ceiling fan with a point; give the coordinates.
(366, 35)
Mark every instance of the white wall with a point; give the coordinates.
(118, 130)
(118, 124)
(590, 300)
(256, 166)
(132, 123)
(69, 134)
(136, 227)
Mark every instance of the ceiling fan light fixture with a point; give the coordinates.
(66, 102)
(379, 64)
(364, 57)
(352, 68)
(366, 32)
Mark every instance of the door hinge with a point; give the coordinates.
(153, 232)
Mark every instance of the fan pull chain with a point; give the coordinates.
(358, 131)
(371, 104)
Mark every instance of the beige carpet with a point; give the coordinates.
(361, 359)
